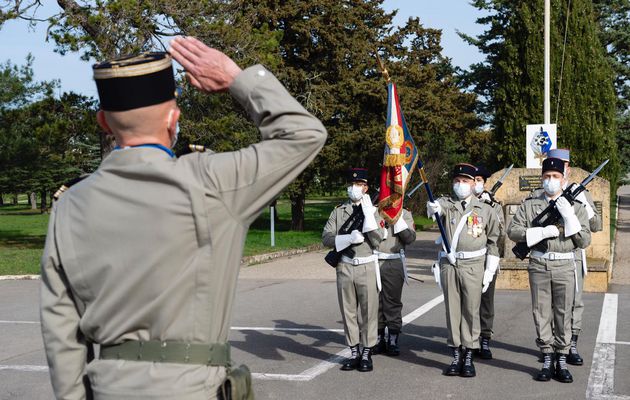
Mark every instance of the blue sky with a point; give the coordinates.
(17, 40)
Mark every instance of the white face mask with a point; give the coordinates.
(462, 190)
(355, 192)
(478, 188)
(552, 186)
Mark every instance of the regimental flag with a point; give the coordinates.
(399, 160)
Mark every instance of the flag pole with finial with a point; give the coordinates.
(423, 175)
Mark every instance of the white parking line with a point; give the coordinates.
(334, 361)
(306, 375)
(601, 381)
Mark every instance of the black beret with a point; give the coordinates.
(358, 175)
(465, 170)
(135, 81)
(553, 164)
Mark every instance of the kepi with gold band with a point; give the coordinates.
(135, 81)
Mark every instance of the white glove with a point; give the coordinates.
(492, 263)
(436, 274)
(485, 196)
(369, 224)
(564, 207)
(356, 237)
(342, 241)
(400, 225)
(432, 208)
(571, 222)
(538, 234)
(589, 210)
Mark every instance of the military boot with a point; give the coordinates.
(574, 357)
(468, 369)
(484, 351)
(456, 365)
(562, 373)
(545, 373)
(381, 343)
(352, 362)
(365, 364)
(392, 344)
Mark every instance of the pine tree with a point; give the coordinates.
(511, 80)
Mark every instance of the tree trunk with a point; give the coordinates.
(33, 200)
(1, 200)
(15, 197)
(43, 205)
(297, 211)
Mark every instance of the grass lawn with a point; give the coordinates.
(23, 231)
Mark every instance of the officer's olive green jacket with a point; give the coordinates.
(149, 246)
(337, 218)
(394, 242)
(529, 209)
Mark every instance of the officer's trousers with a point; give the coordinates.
(390, 304)
(356, 289)
(462, 285)
(486, 311)
(553, 290)
(578, 303)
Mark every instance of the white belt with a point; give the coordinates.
(366, 260)
(387, 256)
(553, 256)
(463, 255)
(395, 256)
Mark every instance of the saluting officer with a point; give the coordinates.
(393, 268)
(552, 267)
(472, 228)
(358, 275)
(142, 256)
(595, 225)
(486, 311)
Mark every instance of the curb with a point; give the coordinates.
(261, 258)
(245, 261)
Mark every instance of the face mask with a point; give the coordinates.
(462, 190)
(355, 193)
(478, 188)
(552, 186)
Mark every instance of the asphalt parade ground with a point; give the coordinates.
(287, 328)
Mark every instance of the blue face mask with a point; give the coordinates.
(552, 186)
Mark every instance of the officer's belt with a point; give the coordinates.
(358, 260)
(387, 256)
(216, 354)
(553, 256)
(464, 255)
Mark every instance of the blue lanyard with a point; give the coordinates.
(156, 146)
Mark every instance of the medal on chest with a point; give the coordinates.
(475, 225)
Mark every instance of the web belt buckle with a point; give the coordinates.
(552, 256)
(355, 261)
(460, 255)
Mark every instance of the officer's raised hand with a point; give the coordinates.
(207, 69)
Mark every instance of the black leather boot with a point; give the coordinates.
(365, 364)
(456, 365)
(381, 343)
(352, 362)
(545, 373)
(562, 373)
(484, 351)
(574, 358)
(392, 344)
(468, 369)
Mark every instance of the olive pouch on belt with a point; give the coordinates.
(237, 384)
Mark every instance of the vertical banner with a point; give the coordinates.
(539, 139)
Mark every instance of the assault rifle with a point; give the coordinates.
(354, 222)
(551, 215)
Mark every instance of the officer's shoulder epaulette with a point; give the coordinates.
(488, 202)
(62, 189)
